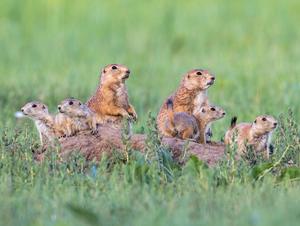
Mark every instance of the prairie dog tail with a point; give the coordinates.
(170, 111)
(233, 122)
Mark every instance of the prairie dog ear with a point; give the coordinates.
(255, 121)
(202, 109)
(103, 71)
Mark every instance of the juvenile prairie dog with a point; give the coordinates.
(205, 115)
(257, 134)
(83, 118)
(191, 93)
(181, 124)
(44, 122)
(64, 125)
(110, 102)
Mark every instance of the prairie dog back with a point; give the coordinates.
(181, 124)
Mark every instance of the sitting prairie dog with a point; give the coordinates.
(64, 125)
(191, 93)
(44, 122)
(110, 102)
(257, 134)
(83, 118)
(181, 124)
(205, 115)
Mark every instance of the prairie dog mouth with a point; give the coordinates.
(126, 76)
(210, 83)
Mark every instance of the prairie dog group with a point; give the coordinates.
(185, 114)
(192, 126)
(192, 92)
(72, 118)
(110, 104)
(188, 113)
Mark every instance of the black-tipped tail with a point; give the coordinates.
(170, 103)
(170, 112)
(233, 122)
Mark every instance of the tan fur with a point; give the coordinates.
(83, 118)
(64, 125)
(181, 124)
(205, 115)
(44, 122)
(110, 102)
(256, 134)
(191, 93)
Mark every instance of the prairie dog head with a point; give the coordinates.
(72, 107)
(35, 110)
(198, 79)
(264, 124)
(209, 113)
(115, 73)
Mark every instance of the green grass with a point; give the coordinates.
(54, 49)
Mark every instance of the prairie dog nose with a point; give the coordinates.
(128, 71)
(213, 78)
(22, 109)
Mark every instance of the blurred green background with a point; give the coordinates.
(54, 49)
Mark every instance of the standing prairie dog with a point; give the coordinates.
(44, 122)
(181, 124)
(257, 134)
(83, 118)
(205, 115)
(191, 93)
(110, 102)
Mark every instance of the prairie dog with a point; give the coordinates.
(191, 93)
(82, 116)
(111, 102)
(181, 124)
(257, 134)
(44, 122)
(205, 115)
(64, 125)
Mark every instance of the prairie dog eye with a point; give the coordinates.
(34, 105)
(71, 103)
(199, 73)
(264, 119)
(213, 109)
(114, 67)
